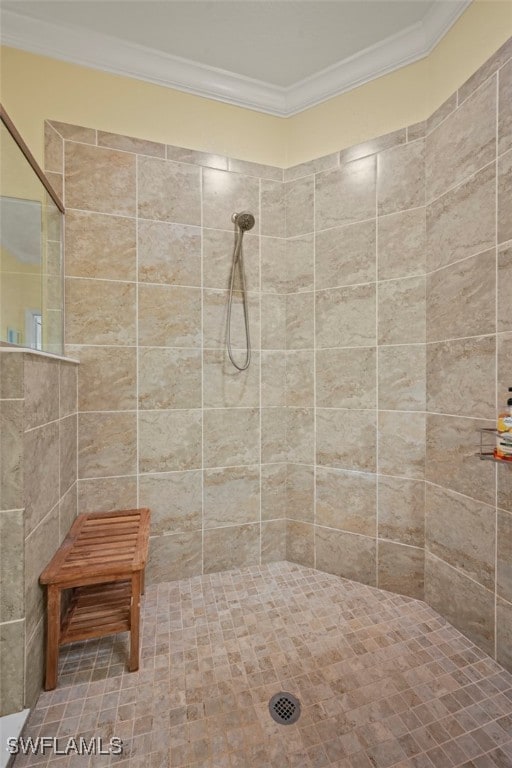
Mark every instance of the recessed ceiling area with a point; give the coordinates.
(278, 56)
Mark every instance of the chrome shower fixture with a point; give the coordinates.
(243, 221)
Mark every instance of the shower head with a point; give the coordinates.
(244, 220)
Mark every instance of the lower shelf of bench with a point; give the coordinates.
(96, 611)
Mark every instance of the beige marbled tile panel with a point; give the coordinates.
(461, 532)
(98, 179)
(74, 132)
(402, 510)
(273, 212)
(99, 312)
(39, 549)
(226, 193)
(504, 490)
(300, 263)
(299, 196)
(35, 661)
(273, 491)
(231, 437)
(505, 197)
(346, 378)
(260, 170)
(41, 380)
(107, 378)
(300, 543)
(402, 444)
(299, 378)
(401, 308)
(218, 248)
(346, 439)
(169, 253)
(100, 246)
(169, 378)
(345, 255)
(504, 555)
(402, 244)
(106, 493)
(401, 178)
(463, 143)
(461, 377)
(273, 321)
(504, 366)
(53, 150)
(300, 492)
(12, 536)
(274, 377)
(169, 316)
(274, 445)
(400, 569)
(416, 131)
(504, 633)
(464, 603)
(274, 275)
(463, 221)
(183, 155)
(442, 112)
(215, 308)
(68, 429)
(12, 645)
(488, 68)
(11, 375)
(300, 309)
(235, 546)
(175, 501)
(311, 166)
(226, 387)
(346, 500)
(231, 496)
(504, 280)
(68, 508)
(41, 478)
(107, 444)
(168, 191)
(300, 426)
(176, 556)
(169, 440)
(461, 298)
(346, 316)
(130, 144)
(402, 377)
(273, 541)
(56, 183)
(346, 554)
(68, 380)
(373, 146)
(458, 438)
(346, 195)
(505, 108)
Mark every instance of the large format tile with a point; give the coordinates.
(300, 543)
(169, 440)
(273, 321)
(299, 196)
(402, 510)
(218, 246)
(106, 493)
(168, 191)
(345, 378)
(504, 367)
(41, 391)
(168, 253)
(299, 378)
(300, 492)
(505, 108)
(345, 255)
(35, 661)
(273, 491)
(402, 444)
(231, 496)
(131, 144)
(41, 473)
(99, 312)
(68, 430)
(13, 461)
(300, 263)
(461, 532)
(402, 244)
(402, 377)
(108, 378)
(504, 633)
(107, 444)
(100, 246)
(300, 308)
(274, 445)
(378, 144)
(504, 277)
(12, 661)
(169, 378)
(215, 311)
(400, 569)
(273, 220)
(234, 546)
(300, 430)
(226, 193)
(504, 487)
(68, 386)
(346, 500)
(346, 555)
(175, 501)
(169, 316)
(98, 179)
(345, 317)
(273, 541)
(401, 308)
(504, 555)
(40, 547)
(176, 556)
(231, 437)
(274, 272)
(224, 386)
(346, 439)
(12, 536)
(346, 194)
(505, 197)
(401, 178)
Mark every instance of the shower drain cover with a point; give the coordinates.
(284, 708)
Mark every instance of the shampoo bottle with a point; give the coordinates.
(503, 450)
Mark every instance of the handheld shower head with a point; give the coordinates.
(244, 220)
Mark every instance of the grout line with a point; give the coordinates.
(496, 374)
(377, 410)
(201, 190)
(315, 297)
(461, 183)
(137, 356)
(259, 377)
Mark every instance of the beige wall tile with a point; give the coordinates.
(273, 321)
(487, 69)
(461, 532)
(169, 440)
(218, 247)
(505, 108)
(41, 391)
(169, 378)
(463, 221)
(169, 316)
(402, 444)
(168, 191)
(98, 179)
(402, 510)
(68, 509)
(401, 178)
(197, 158)
(504, 633)
(402, 244)
(226, 387)
(74, 132)
(53, 149)
(68, 373)
(12, 538)
(226, 193)
(273, 541)
(175, 501)
(273, 212)
(215, 308)
(504, 366)
(300, 492)
(504, 278)
(174, 557)
(299, 195)
(273, 491)
(235, 546)
(346, 439)
(169, 253)
(41, 473)
(99, 312)
(300, 263)
(300, 380)
(100, 246)
(12, 650)
(466, 604)
(106, 493)
(346, 500)
(107, 378)
(274, 376)
(35, 661)
(346, 378)
(346, 555)
(11, 375)
(68, 430)
(231, 437)
(345, 317)
(311, 166)
(400, 569)
(130, 144)
(300, 427)
(505, 197)
(402, 377)
(259, 170)
(401, 311)
(300, 543)
(300, 308)
(274, 445)
(463, 143)
(39, 549)
(373, 146)
(504, 490)
(416, 131)
(346, 194)
(442, 112)
(231, 496)
(504, 555)
(106, 444)
(274, 271)
(56, 183)
(345, 255)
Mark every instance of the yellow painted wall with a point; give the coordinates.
(33, 88)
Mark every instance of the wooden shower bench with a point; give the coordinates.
(102, 560)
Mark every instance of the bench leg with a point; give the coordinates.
(135, 622)
(52, 637)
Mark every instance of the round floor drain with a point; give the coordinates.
(284, 708)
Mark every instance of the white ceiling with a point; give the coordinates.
(279, 56)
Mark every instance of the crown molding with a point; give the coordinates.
(118, 57)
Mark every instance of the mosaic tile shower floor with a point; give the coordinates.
(383, 681)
